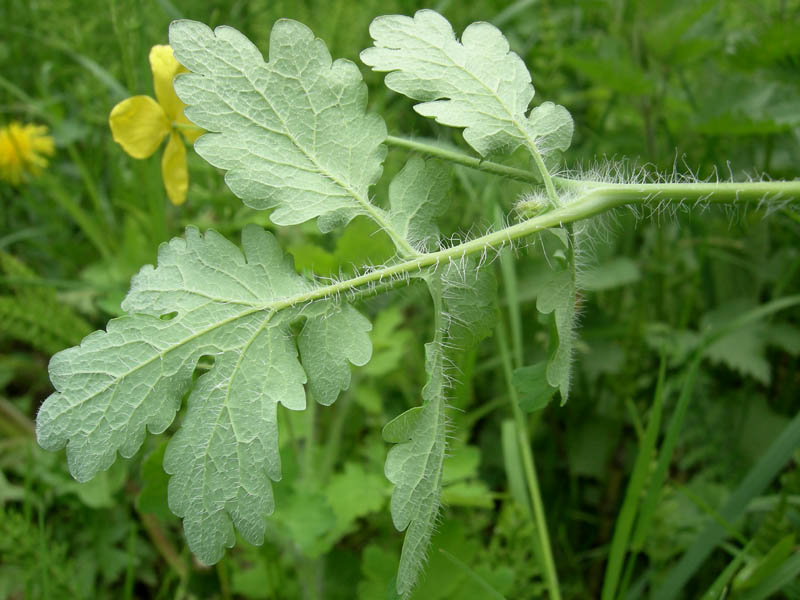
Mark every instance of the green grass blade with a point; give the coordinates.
(787, 573)
(665, 457)
(513, 464)
(756, 480)
(717, 589)
(630, 505)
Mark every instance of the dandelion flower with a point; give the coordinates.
(139, 124)
(22, 151)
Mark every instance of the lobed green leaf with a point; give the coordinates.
(205, 298)
(476, 83)
(415, 464)
(292, 132)
(418, 195)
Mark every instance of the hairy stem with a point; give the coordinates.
(595, 198)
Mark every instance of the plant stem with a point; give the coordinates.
(625, 192)
(461, 158)
(163, 545)
(543, 549)
(596, 199)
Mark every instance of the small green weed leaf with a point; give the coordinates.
(743, 349)
(477, 83)
(251, 575)
(558, 297)
(205, 298)
(390, 342)
(153, 496)
(784, 336)
(418, 195)
(362, 242)
(305, 517)
(21, 311)
(608, 275)
(355, 493)
(532, 386)
(462, 463)
(461, 486)
(292, 132)
(99, 492)
(377, 569)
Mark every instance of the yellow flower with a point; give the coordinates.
(140, 124)
(22, 151)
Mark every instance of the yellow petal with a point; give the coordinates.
(165, 67)
(139, 125)
(174, 170)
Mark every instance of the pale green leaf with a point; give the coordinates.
(327, 344)
(418, 194)
(205, 298)
(415, 468)
(469, 296)
(400, 429)
(476, 83)
(292, 132)
(463, 299)
(558, 297)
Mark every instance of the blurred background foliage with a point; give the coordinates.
(684, 88)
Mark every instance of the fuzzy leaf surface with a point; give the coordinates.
(205, 298)
(558, 297)
(415, 465)
(476, 83)
(292, 132)
(415, 469)
(327, 344)
(469, 295)
(418, 195)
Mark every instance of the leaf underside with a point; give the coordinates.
(204, 298)
(292, 132)
(558, 297)
(293, 135)
(415, 464)
(476, 83)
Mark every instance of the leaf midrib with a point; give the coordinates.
(369, 209)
